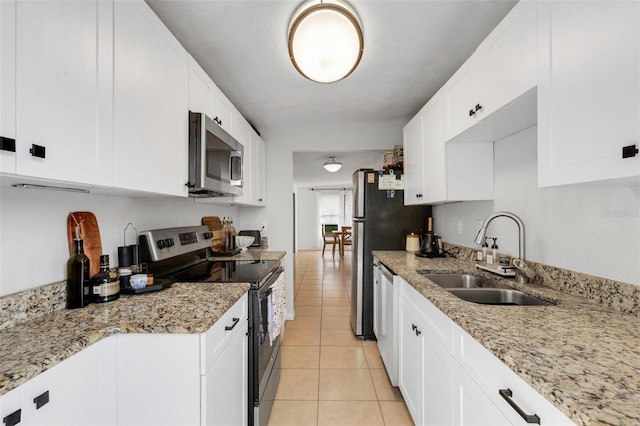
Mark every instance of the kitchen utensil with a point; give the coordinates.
(90, 233)
(138, 281)
(244, 241)
(255, 234)
(215, 226)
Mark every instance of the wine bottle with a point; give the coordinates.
(78, 284)
(105, 284)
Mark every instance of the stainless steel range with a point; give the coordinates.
(181, 254)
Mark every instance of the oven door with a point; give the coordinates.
(267, 351)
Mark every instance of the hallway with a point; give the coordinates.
(329, 377)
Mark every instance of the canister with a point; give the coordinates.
(413, 242)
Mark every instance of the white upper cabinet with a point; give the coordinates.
(588, 91)
(206, 97)
(57, 78)
(260, 166)
(463, 95)
(413, 160)
(492, 80)
(439, 172)
(150, 103)
(7, 86)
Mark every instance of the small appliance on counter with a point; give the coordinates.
(430, 246)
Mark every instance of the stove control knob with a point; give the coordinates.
(207, 235)
(161, 244)
(167, 242)
(171, 243)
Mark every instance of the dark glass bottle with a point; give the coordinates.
(78, 284)
(105, 284)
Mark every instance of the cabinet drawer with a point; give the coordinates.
(440, 324)
(492, 375)
(221, 333)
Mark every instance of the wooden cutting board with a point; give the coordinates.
(90, 233)
(215, 226)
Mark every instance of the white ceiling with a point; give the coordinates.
(411, 48)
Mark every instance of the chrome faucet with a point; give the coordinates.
(482, 233)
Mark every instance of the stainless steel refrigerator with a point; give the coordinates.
(380, 222)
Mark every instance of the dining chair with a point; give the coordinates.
(345, 239)
(328, 237)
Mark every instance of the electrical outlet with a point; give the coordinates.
(263, 225)
(459, 227)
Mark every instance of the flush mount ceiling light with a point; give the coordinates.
(325, 40)
(332, 165)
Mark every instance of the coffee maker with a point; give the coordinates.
(429, 246)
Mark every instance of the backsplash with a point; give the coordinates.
(616, 295)
(24, 306)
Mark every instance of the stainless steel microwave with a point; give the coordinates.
(215, 159)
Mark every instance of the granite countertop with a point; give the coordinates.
(28, 349)
(252, 254)
(581, 356)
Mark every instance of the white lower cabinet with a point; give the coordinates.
(447, 377)
(144, 379)
(79, 391)
(186, 379)
(471, 406)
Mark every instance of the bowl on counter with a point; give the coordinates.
(138, 281)
(244, 241)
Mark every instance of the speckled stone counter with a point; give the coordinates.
(253, 254)
(581, 356)
(30, 348)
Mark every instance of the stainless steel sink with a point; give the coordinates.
(495, 296)
(453, 281)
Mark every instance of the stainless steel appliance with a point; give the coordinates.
(381, 221)
(215, 159)
(180, 254)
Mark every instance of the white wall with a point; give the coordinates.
(594, 229)
(332, 137)
(33, 229)
(307, 231)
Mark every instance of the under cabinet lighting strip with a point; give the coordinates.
(51, 188)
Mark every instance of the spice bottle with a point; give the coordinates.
(105, 284)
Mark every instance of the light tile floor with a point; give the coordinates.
(329, 377)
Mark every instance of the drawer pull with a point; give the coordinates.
(38, 151)
(235, 322)
(7, 144)
(41, 400)
(529, 418)
(13, 418)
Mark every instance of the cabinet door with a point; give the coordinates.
(411, 365)
(588, 90)
(201, 89)
(11, 408)
(79, 391)
(222, 111)
(471, 406)
(438, 382)
(434, 158)
(158, 379)
(8, 85)
(413, 161)
(224, 387)
(463, 98)
(509, 58)
(150, 103)
(64, 66)
(377, 308)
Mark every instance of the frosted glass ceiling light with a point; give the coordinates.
(332, 165)
(325, 40)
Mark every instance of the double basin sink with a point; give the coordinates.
(482, 290)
